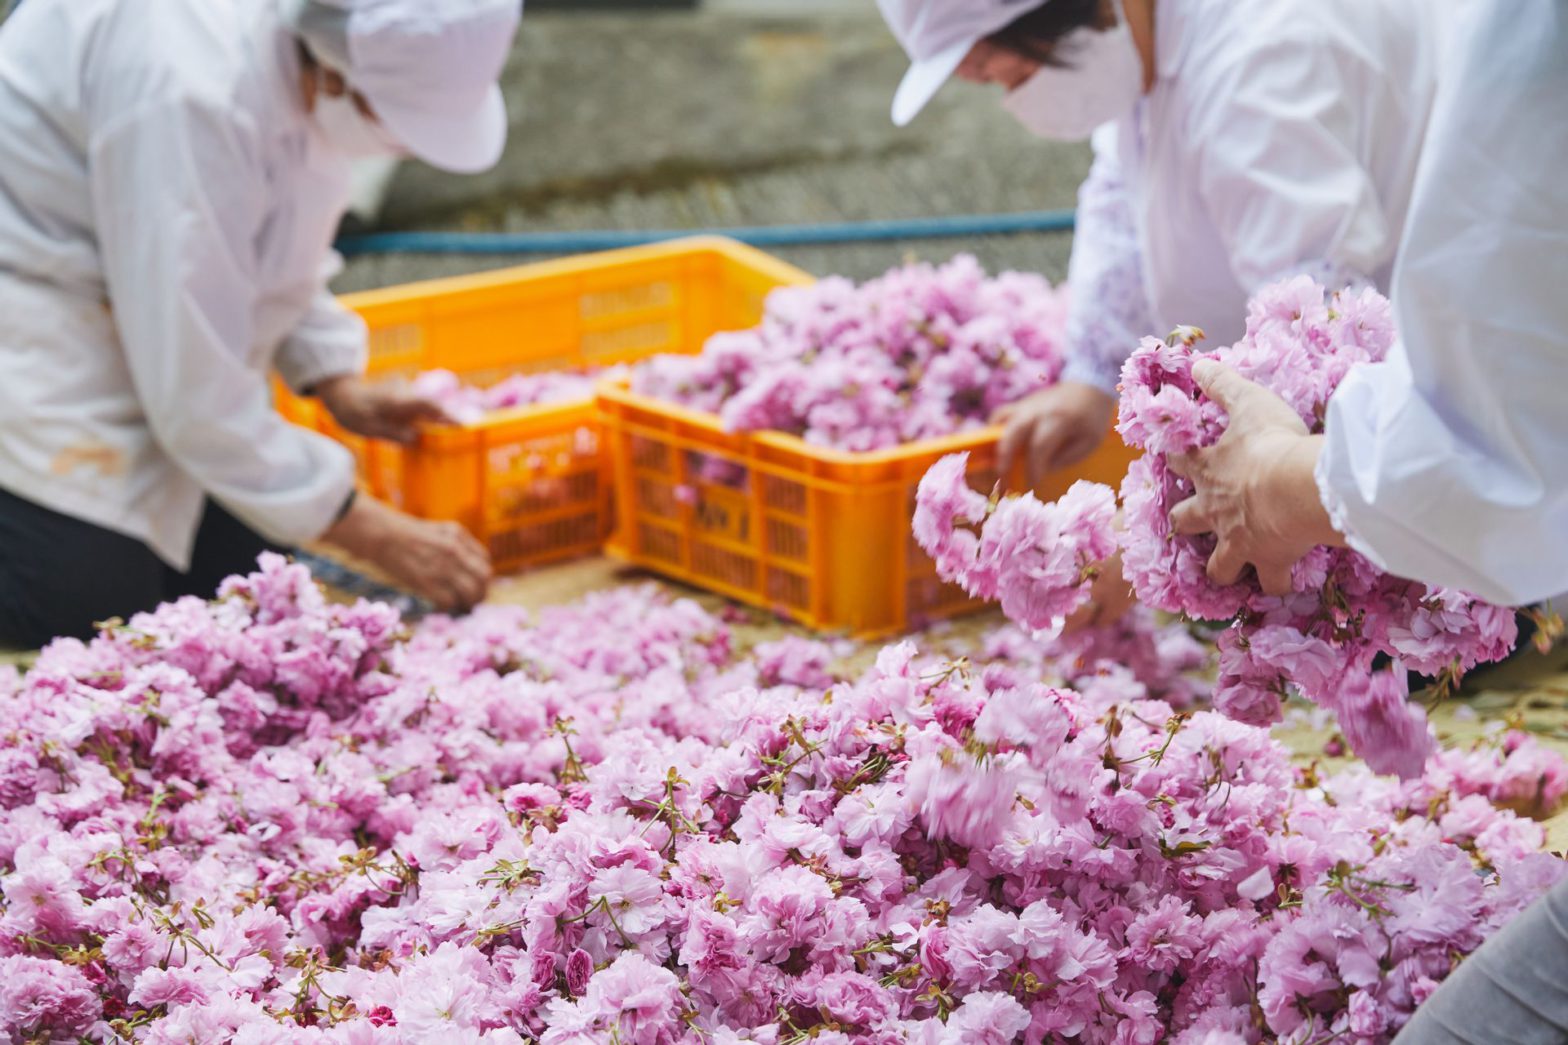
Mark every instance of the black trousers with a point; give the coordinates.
(60, 575)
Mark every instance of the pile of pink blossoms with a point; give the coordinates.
(469, 404)
(919, 352)
(272, 820)
(1323, 640)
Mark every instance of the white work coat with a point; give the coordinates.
(1280, 137)
(1448, 462)
(166, 215)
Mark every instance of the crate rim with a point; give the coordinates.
(434, 435)
(617, 391)
(597, 261)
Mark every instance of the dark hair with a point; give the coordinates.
(1034, 35)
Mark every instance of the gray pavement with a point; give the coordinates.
(744, 112)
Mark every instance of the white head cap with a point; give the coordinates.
(429, 68)
(937, 34)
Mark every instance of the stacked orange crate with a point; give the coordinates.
(534, 483)
(818, 535)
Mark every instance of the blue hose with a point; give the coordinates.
(757, 236)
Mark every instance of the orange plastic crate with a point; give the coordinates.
(818, 535)
(533, 483)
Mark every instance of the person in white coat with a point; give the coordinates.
(1236, 142)
(171, 177)
(1445, 463)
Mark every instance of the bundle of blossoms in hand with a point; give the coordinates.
(1038, 560)
(1323, 639)
(468, 404)
(1343, 614)
(270, 819)
(920, 352)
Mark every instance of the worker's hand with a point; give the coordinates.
(1110, 597)
(379, 410)
(441, 562)
(1054, 428)
(1255, 489)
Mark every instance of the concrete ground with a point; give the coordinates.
(743, 112)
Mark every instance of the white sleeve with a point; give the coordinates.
(1108, 308)
(178, 199)
(328, 342)
(1276, 173)
(1448, 463)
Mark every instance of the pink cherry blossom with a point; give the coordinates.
(1322, 640)
(920, 352)
(468, 404)
(508, 828)
(1036, 559)
(45, 1000)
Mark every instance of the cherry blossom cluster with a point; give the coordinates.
(273, 819)
(468, 404)
(1037, 560)
(919, 352)
(1344, 613)
(1346, 635)
(1133, 658)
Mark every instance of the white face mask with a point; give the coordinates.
(1102, 84)
(350, 131)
